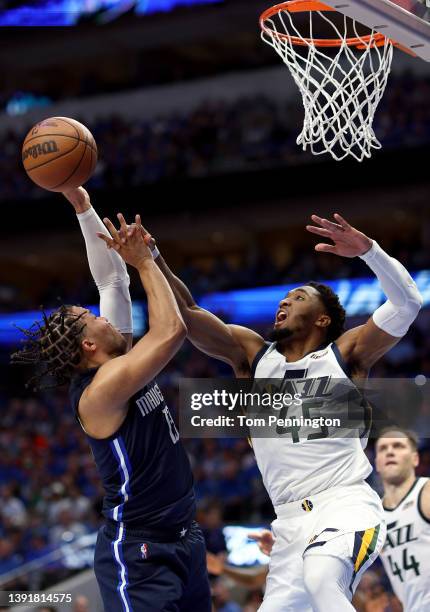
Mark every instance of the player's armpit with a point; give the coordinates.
(103, 405)
(364, 345)
(232, 344)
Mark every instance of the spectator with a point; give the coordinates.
(222, 599)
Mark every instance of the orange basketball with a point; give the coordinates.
(59, 153)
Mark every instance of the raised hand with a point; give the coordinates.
(148, 238)
(348, 241)
(128, 242)
(78, 198)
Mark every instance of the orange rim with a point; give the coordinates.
(302, 6)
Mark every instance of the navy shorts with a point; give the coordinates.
(138, 574)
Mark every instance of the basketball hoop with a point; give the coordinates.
(341, 78)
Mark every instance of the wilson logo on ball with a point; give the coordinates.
(43, 148)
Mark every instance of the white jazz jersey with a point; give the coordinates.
(298, 462)
(405, 554)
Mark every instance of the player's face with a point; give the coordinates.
(99, 331)
(396, 459)
(298, 310)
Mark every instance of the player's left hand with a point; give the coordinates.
(348, 241)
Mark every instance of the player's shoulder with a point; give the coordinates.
(346, 342)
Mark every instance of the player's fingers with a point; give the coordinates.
(255, 536)
(122, 227)
(105, 238)
(108, 240)
(345, 225)
(138, 221)
(112, 229)
(325, 248)
(317, 219)
(321, 231)
(131, 229)
(334, 227)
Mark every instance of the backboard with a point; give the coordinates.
(405, 21)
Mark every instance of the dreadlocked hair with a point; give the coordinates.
(54, 345)
(334, 309)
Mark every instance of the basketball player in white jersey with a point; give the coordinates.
(330, 524)
(406, 502)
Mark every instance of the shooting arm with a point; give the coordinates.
(107, 268)
(232, 344)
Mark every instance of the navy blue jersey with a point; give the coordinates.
(144, 469)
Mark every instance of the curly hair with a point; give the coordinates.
(333, 308)
(54, 346)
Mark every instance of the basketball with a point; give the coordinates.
(59, 153)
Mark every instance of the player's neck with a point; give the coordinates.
(97, 360)
(394, 493)
(294, 349)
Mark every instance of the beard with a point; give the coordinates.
(277, 335)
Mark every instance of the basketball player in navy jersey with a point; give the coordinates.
(150, 554)
(330, 524)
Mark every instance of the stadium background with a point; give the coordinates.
(195, 120)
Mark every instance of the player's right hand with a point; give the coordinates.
(130, 245)
(78, 198)
(264, 539)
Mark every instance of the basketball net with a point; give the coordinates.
(341, 88)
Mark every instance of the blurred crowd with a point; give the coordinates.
(275, 261)
(217, 138)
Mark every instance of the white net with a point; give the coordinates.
(340, 87)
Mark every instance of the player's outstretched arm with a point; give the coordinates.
(107, 267)
(364, 345)
(120, 378)
(233, 344)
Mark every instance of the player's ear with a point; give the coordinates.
(416, 459)
(88, 346)
(323, 320)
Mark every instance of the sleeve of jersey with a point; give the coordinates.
(109, 273)
(404, 300)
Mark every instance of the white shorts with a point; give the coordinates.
(344, 522)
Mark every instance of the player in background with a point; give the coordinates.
(330, 524)
(406, 502)
(150, 554)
